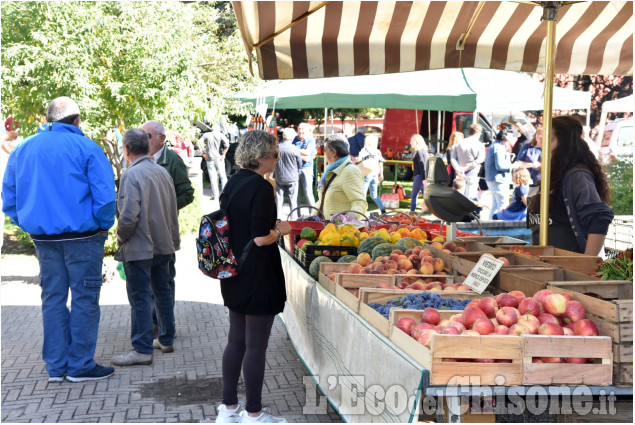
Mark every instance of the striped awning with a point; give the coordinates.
(307, 39)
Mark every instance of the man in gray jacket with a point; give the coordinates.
(287, 173)
(148, 235)
(214, 150)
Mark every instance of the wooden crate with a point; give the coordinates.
(444, 368)
(598, 348)
(610, 305)
(587, 264)
(473, 246)
(531, 281)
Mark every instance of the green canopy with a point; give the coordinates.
(467, 89)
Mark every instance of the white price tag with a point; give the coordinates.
(483, 273)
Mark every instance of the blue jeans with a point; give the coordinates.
(70, 337)
(216, 170)
(172, 283)
(500, 196)
(371, 181)
(146, 279)
(306, 182)
(417, 186)
(292, 190)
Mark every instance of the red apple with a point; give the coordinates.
(575, 311)
(555, 304)
(420, 327)
(570, 326)
(507, 316)
(503, 361)
(470, 332)
(431, 315)
(506, 300)
(550, 329)
(548, 318)
(538, 296)
(483, 326)
(456, 318)
(585, 327)
(529, 306)
(417, 286)
(530, 322)
(518, 294)
(576, 360)
(518, 330)
(406, 324)
(450, 330)
(566, 296)
(504, 260)
(567, 331)
(425, 337)
(483, 360)
(501, 330)
(489, 306)
(470, 314)
(551, 359)
(460, 326)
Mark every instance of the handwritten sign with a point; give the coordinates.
(483, 273)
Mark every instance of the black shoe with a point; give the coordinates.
(212, 198)
(98, 372)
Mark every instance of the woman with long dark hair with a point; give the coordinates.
(579, 214)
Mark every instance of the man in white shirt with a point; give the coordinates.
(467, 158)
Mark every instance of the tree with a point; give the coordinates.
(123, 62)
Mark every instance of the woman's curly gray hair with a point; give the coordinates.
(255, 145)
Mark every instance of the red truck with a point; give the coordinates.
(401, 124)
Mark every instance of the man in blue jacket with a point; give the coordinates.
(59, 187)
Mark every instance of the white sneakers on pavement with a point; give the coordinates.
(265, 417)
(228, 416)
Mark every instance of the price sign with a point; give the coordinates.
(483, 273)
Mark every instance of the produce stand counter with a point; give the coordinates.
(365, 376)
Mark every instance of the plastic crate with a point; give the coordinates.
(306, 257)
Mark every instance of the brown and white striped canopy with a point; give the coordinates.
(307, 39)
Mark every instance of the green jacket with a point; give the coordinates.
(176, 168)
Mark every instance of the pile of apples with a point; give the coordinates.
(512, 314)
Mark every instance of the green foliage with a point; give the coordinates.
(124, 63)
(620, 174)
(620, 268)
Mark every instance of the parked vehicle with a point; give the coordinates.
(617, 139)
(401, 124)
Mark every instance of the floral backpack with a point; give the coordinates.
(215, 256)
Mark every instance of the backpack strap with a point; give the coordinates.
(239, 186)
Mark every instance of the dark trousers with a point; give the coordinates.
(246, 348)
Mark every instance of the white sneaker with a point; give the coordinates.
(265, 417)
(228, 416)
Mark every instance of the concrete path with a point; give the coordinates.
(184, 386)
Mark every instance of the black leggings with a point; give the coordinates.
(246, 347)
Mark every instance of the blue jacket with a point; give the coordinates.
(58, 181)
(498, 164)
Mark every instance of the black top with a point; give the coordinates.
(419, 162)
(259, 287)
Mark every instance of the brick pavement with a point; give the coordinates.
(184, 386)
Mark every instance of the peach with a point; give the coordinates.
(364, 259)
(404, 264)
(355, 268)
(438, 265)
(426, 268)
(449, 245)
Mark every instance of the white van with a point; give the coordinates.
(617, 140)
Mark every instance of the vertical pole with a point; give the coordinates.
(546, 127)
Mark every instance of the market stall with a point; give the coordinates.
(345, 325)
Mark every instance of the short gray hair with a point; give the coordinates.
(288, 134)
(156, 126)
(339, 144)
(136, 141)
(255, 145)
(62, 109)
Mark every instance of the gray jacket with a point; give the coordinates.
(146, 207)
(287, 169)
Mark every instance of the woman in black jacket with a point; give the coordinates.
(258, 293)
(579, 214)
